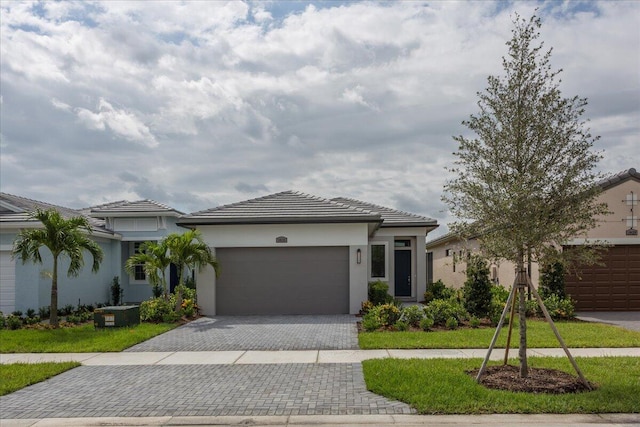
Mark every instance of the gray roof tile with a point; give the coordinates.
(126, 207)
(284, 207)
(391, 217)
(21, 208)
(619, 178)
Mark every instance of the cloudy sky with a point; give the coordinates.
(197, 104)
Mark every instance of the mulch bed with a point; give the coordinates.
(540, 380)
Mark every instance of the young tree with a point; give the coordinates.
(154, 258)
(526, 182)
(62, 237)
(189, 250)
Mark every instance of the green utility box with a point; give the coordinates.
(116, 316)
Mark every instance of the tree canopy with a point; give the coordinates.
(62, 237)
(526, 180)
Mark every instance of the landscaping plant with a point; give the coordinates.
(60, 236)
(477, 287)
(527, 181)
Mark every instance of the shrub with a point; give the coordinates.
(14, 322)
(477, 287)
(412, 315)
(66, 310)
(426, 323)
(157, 290)
(560, 308)
(474, 322)
(16, 313)
(44, 312)
(32, 320)
(370, 322)
(116, 291)
(155, 309)
(388, 313)
(438, 290)
(401, 325)
(452, 323)
(366, 307)
(379, 293)
(552, 280)
(31, 312)
(440, 310)
(170, 317)
(3, 321)
(499, 294)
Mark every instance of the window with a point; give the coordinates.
(379, 261)
(448, 252)
(138, 275)
(402, 243)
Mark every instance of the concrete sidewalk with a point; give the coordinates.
(538, 420)
(291, 356)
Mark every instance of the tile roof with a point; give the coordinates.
(619, 178)
(284, 207)
(124, 207)
(391, 217)
(16, 209)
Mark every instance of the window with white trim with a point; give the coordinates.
(378, 261)
(138, 275)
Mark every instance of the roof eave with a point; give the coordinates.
(268, 221)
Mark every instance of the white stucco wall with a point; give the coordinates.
(355, 236)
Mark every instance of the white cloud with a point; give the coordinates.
(215, 102)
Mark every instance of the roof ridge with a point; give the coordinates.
(383, 207)
(40, 202)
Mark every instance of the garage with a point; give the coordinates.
(289, 280)
(613, 286)
(7, 282)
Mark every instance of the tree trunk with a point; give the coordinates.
(53, 309)
(522, 354)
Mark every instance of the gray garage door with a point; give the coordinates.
(302, 280)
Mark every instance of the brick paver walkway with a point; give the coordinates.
(326, 332)
(202, 390)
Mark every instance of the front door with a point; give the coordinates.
(402, 273)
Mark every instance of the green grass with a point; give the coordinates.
(441, 386)
(81, 339)
(19, 375)
(539, 335)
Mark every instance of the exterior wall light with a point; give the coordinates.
(358, 256)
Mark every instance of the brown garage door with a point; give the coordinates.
(612, 286)
(302, 280)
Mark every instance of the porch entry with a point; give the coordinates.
(402, 263)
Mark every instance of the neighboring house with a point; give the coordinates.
(287, 253)
(614, 285)
(293, 253)
(137, 222)
(25, 286)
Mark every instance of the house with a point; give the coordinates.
(613, 285)
(293, 253)
(25, 286)
(285, 253)
(117, 227)
(135, 223)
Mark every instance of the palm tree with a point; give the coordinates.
(188, 250)
(155, 260)
(60, 236)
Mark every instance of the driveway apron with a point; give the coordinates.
(220, 333)
(216, 390)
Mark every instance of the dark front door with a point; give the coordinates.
(403, 273)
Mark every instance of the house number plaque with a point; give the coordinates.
(281, 239)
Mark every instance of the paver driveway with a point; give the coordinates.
(326, 332)
(212, 390)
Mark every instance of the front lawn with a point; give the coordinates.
(20, 375)
(441, 386)
(80, 339)
(539, 335)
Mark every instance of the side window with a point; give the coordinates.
(139, 274)
(378, 261)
